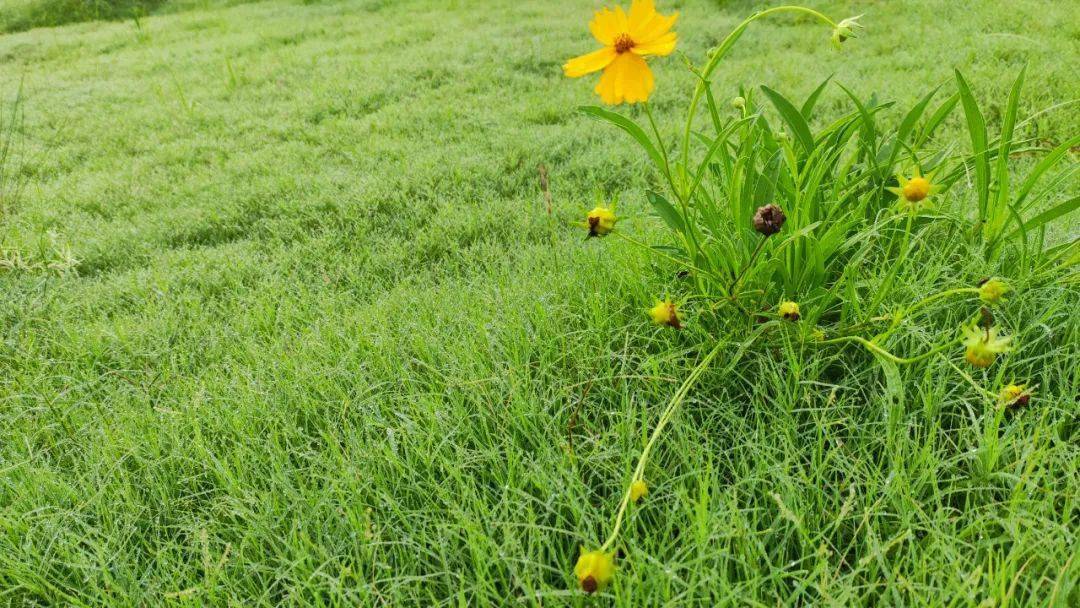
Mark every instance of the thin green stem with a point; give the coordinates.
(874, 348)
(749, 264)
(714, 61)
(920, 304)
(665, 417)
(660, 144)
(667, 256)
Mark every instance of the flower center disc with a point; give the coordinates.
(623, 43)
(916, 189)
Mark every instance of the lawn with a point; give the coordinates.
(288, 319)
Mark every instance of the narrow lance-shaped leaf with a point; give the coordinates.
(1049, 215)
(792, 117)
(908, 124)
(807, 109)
(666, 211)
(977, 130)
(633, 129)
(998, 215)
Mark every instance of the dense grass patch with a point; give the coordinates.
(26, 14)
(286, 321)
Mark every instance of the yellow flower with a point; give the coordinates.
(992, 290)
(600, 221)
(1015, 394)
(627, 40)
(638, 490)
(915, 192)
(594, 570)
(665, 313)
(789, 310)
(844, 30)
(983, 345)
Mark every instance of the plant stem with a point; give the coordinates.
(921, 303)
(714, 61)
(749, 263)
(874, 348)
(665, 417)
(660, 144)
(664, 255)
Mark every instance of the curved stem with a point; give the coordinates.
(874, 348)
(749, 263)
(660, 144)
(721, 51)
(921, 303)
(634, 241)
(665, 417)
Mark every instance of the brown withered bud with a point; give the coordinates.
(768, 220)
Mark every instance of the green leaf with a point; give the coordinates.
(633, 129)
(1001, 205)
(868, 130)
(935, 120)
(908, 124)
(792, 117)
(808, 105)
(977, 130)
(666, 211)
(1045, 164)
(1049, 215)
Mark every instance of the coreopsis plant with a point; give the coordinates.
(763, 208)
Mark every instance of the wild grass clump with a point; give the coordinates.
(772, 221)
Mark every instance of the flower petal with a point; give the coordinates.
(604, 27)
(664, 45)
(652, 28)
(589, 63)
(641, 11)
(626, 79)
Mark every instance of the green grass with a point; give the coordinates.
(285, 321)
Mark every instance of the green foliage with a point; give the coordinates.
(832, 186)
(321, 343)
(51, 13)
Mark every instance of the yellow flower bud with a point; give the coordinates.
(914, 192)
(665, 313)
(600, 221)
(594, 570)
(638, 490)
(993, 290)
(1015, 394)
(789, 310)
(844, 30)
(983, 345)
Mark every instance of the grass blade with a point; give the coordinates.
(633, 129)
(792, 117)
(977, 130)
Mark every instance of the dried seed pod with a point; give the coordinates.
(768, 220)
